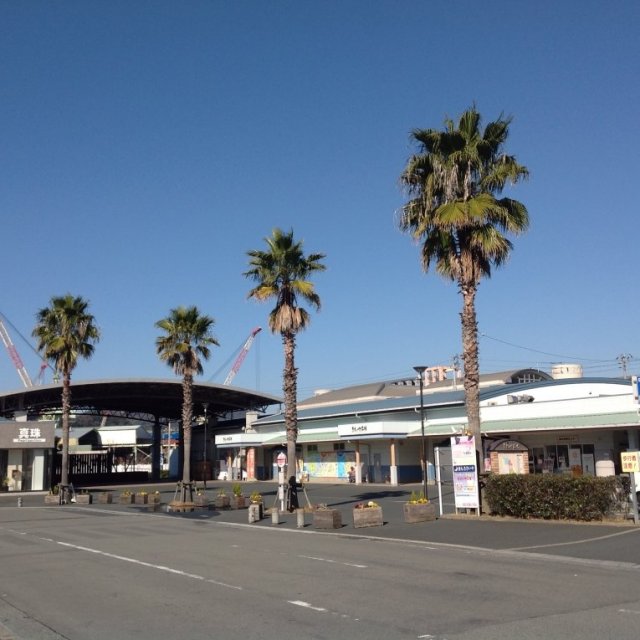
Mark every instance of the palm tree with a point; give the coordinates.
(281, 273)
(186, 341)
(453, 210)
(65, 331)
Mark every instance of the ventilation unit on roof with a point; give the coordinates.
(520, 399)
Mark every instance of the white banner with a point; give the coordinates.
(465, 472)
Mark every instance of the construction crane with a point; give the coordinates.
(241, 356)
(15, 356)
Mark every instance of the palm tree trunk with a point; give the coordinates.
(471, 367)
(66, 411)
(290, 392)
(187, 412)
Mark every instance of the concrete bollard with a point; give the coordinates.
(254, 513)
(275, 516)
(300, 518)
(19, 502)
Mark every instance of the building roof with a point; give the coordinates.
(135, 398)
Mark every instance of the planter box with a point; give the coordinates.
(125, 499)
(368, 517)
(83, 498)
(239, 502)
(49, 499)
(201, 501)
(153, 498)
(419, 512)
(105, 497)
(222, 502)
(327, 519)
(141, 498)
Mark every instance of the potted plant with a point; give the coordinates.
(256, 507)
(84, 497)
(53, 497)
(141, 497)
(239, 501)
(201, 499)
(326, 518)
(126, 497)
(419, 509)
(367, 514)
(105, 497)
(222, 500)
(153, 498)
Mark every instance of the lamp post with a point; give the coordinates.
(204, 449)
(420, 371)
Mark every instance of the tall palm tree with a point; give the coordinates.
(185, 343)
(453, 210)
(282, 273)
(65, 331)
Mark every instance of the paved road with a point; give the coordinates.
(102, 572)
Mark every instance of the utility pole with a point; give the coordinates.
(622, 359)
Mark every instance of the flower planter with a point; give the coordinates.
(52, 499)
(125, 499)
(153, 498)
(367, 517)
(141, 498)
(239, 502)
(83, 498)
(105, 497)
(201, 501)
(421, 512)
(222, 502)
(327, 519)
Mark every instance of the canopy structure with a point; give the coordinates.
(143, 399)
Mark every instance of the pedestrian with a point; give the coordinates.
(352, 475)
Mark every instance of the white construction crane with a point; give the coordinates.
(14, 355)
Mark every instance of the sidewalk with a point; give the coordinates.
(608, 541)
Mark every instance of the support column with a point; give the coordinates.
(358, 464)
(393, 470)
(155, 450)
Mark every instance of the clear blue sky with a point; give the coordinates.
(146, 146)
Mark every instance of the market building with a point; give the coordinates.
(558, 424)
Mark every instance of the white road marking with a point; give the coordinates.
(329, 560)
(306, 605)
(628, 611)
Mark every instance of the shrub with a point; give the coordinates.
(557, 497)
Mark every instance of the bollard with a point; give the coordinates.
(275, 516)
(254, 513)
(300, 518)
(19, 502)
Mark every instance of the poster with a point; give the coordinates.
(465, 472)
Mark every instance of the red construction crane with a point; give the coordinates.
(241, 356)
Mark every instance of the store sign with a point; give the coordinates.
(465, 472)
(630, 461)
(372, 430)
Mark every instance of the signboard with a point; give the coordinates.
(630, 461)
(465, 472)
(27, 435)
(635, 383)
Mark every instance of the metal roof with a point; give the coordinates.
(136, 397)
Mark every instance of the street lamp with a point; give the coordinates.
(420, 371)
(204, 449)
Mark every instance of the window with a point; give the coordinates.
(312, 447)
(338, 446)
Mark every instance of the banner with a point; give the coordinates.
(465, 472)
